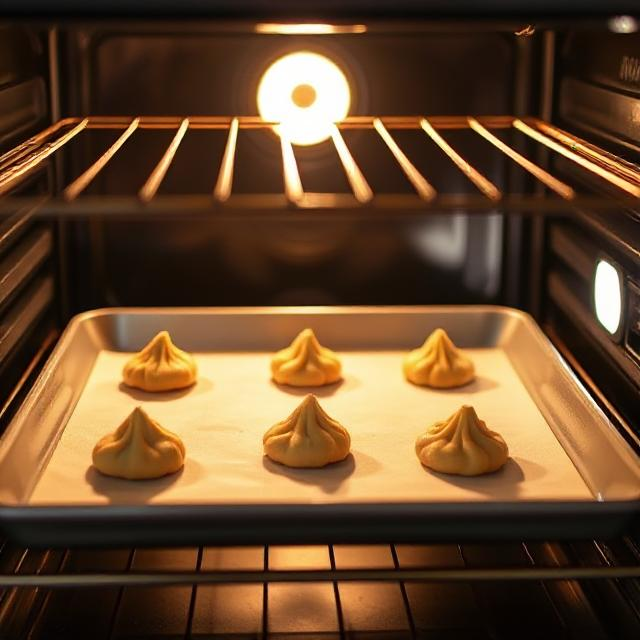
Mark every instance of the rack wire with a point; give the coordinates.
(176, 578)
(347, 583)
(602, 171)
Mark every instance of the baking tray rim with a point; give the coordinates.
(300, 310)
(51, 515)
(90, 526)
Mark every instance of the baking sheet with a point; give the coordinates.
(222, 419)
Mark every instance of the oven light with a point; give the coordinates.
(306, 93)
(308, 29)
(607, 296)
(623, 24)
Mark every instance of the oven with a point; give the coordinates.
(160, 159)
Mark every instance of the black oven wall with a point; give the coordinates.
(597, 97)
(27, 246)
(438, 259)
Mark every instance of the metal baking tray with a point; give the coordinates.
(571, 475)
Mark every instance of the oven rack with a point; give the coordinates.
(601, 171)
(551, 575)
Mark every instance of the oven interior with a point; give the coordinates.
(474, 222)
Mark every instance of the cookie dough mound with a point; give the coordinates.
(307, 438)
(438, 363)
(160, 366)
(306, 363)
(462, 445)
(139, 449)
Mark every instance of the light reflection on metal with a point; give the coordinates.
(621, 167)
(527, 31)
(562, 189)
(419, 182)
(23, 168)
(486, 186)
(292, 184)
(308, 29)
(601, 172)
(84, 180)
(360, 187)
(154, 181)
(224, 184)
(23, 160)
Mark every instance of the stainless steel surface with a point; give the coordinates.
(603, 459)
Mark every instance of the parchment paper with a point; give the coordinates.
(222, 419)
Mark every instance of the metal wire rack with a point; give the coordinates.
(399, 591)
(601, 170)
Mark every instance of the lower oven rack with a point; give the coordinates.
(601, 171)
(547, 586)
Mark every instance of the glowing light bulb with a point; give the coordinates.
(306, 93)
(607, 296)
(623, 24)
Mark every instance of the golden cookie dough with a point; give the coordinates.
(160, 366)
(139, 449)
(307, 438)
(438, 363)
(306, 363)
(462, 445)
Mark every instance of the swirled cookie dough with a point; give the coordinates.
(139, 449)
(438, 363)
(307, 438)
(160, 366)
(462, 445)
(306, 363)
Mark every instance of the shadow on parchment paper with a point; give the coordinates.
(345, 384)
(202, 385)
(502, 484)
(329, 478)
(121, 491)
(477, 385)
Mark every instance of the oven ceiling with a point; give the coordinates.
(325, 8)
